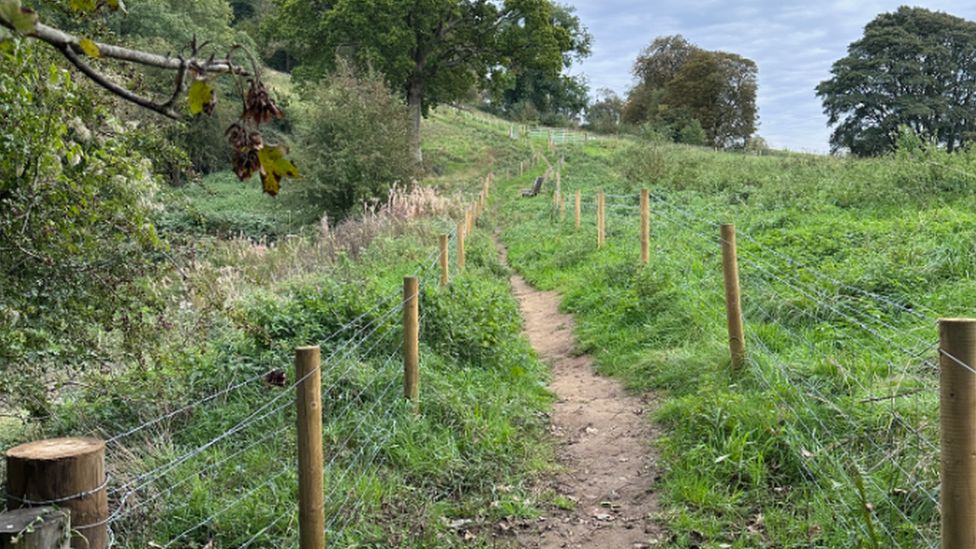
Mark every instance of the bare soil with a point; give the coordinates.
(608, 469)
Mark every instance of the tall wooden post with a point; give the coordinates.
(521, 168)
(600, 219)
(411, 339)
(311, 489)
(957, 411)
(562, 209)
(579, 209)
(445, 276)
(645, 227)
(733, 302)
(69, 473)
(460, 247)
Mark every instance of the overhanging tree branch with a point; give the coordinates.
(69, 46)
(164, 109)
(60, 39)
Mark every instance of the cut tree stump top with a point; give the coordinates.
(19, 520)
(56, 449)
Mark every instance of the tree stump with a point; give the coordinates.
(69, 473)
(36, 528)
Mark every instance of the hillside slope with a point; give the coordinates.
(829, 435)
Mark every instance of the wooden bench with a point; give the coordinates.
(536, 187)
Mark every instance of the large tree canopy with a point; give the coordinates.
(681, 86)
(433, 51)
(914, 68)
(528, 94)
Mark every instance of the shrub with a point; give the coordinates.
(691, 134)
(75, 225)
(354, 143)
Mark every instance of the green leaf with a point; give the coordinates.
(83, 6)
(89, 47)
(117, 5)
(201, 97)
(274, 166)
(23, 20)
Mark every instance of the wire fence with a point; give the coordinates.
(167, 493)
(852, 374)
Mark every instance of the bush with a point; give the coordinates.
(354, 144)
(691, 134)
(75, 225)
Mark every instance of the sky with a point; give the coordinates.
(794, 43)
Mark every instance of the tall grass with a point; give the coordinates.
(829, 436)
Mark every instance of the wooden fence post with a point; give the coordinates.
(733, 301)
(559, 186)
(311, 489)
(445, 276)
(562, 209)
(521, 168)
(68, 472)
(579, 209)
(645, 227)
(460, 247)
(411, 339)
(957, 418)
(600, 219)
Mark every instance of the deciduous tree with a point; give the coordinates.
(556, 99)
(677, 79)
(433, 51)
(603, 115)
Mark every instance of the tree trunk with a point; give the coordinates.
(415, 95)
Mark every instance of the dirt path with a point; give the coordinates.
(608, 468)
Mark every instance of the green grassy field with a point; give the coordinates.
(829, 436)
